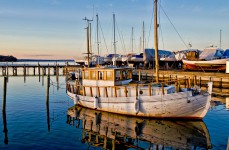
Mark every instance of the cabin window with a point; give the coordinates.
(109, 75)
(101, 76)
(124, 74)
(86, 75)
(117, 75)
(93, 75)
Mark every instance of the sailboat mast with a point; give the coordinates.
(114, 62)
(143, 38)
(88, 47)
(88, 28)
(156, 42)
(97, 19)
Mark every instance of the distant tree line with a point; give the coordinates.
(7, 58)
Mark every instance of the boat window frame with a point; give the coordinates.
(86, 74)
(111, 76)
(93, 75)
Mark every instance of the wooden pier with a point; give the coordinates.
(37, 69)
(220, 80)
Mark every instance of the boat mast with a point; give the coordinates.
(143, 39)
(156, 41)
(97, 19)
(88, 41)
(143, 44)
(88, 48)
(114, 62)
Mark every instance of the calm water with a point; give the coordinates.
(31, 124)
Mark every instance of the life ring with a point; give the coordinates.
(96, 102)
(136, 106)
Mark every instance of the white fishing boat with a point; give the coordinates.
(111, 89)
(148, 133)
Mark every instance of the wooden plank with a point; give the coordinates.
(98, 91)
(115, 91)
(150, 91)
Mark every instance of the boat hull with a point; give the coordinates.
(175, 105)
(217, 64)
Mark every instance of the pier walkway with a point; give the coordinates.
(42, 69)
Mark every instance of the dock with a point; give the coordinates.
(191, 78)
(38, 69)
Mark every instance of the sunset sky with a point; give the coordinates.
(55, 29)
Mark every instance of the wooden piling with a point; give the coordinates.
(189, 82)
(195, 81)
(34, 71)
(4, 94)
(200, 82)
(185, 82)
(39, 69)
(24, 70)
(48, 70)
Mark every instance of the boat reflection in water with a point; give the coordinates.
(113, 131)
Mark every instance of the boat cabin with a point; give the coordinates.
(106, 76)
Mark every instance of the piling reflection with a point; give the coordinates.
(113, 131)
(5, 130)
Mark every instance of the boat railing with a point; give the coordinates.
(134, 89)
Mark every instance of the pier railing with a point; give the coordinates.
(9, 69)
